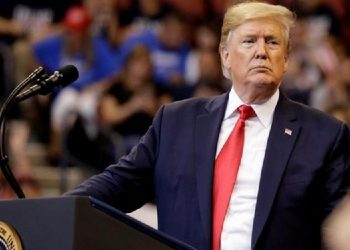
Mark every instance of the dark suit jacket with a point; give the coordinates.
(301, 178)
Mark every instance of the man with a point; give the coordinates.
(290, 170)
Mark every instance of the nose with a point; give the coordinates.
(261, 49)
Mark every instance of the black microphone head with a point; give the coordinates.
(46, 84)
(67, 75)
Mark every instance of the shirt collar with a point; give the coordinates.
(264, 111)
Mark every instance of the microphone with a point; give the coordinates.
(45, 85)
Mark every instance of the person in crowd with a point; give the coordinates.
(209, 79)
(23, 22)
(169, 49)
(149, 14)
(248, 169)
(123, 114)
(130, 104)
(77, 46)
(205, 44)
(340, 111)
(336, 90)
(18, 136)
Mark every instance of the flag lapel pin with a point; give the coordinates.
(288, 131)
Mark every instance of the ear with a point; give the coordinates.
(225, 57)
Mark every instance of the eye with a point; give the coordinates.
(247, 41)
(273, 42)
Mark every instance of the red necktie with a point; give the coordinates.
(225, 172)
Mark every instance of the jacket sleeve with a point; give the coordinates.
(128, 184)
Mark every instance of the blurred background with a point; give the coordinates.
(134, 56)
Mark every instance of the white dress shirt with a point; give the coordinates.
(238, 224)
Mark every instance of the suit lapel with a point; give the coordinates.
(283, 134)
(207, 130)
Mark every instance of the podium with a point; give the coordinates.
(79, 223)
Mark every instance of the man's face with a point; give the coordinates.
(256, 57)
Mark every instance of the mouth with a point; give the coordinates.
(260, 68)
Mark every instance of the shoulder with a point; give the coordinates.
(312, 115)
(186, 111)
(194, 103)
(319, 126)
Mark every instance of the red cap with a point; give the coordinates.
(77, 19)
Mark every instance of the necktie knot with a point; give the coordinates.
(246, 112)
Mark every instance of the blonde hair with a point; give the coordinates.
(240, 13)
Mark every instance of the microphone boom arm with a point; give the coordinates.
(6, 170)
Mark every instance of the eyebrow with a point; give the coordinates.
(272, 37)
(268, 37)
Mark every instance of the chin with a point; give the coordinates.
(266, 88)
(265, 83)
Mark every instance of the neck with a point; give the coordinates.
(253, 99)
(255, 95)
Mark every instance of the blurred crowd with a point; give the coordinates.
(134, 56)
